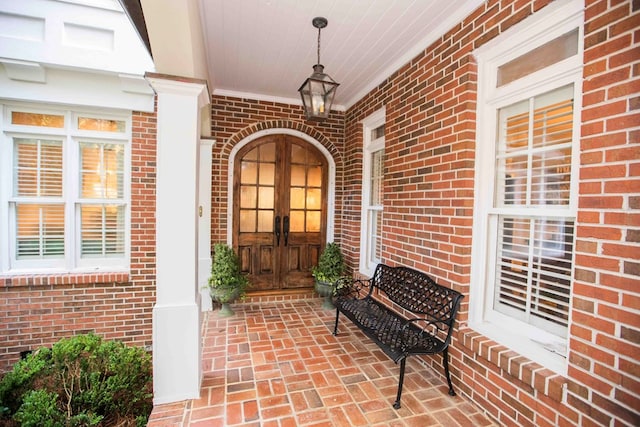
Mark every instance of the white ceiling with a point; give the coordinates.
(267, 48)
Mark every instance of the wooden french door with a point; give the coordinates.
(280, 211)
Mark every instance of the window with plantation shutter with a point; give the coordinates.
(102, 220)
(37, 198)
(534, 247)
(525, 199)
(372, 194)
(531, 220)
(65, 202)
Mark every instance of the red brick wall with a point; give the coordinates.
(429, 189)
(39, 310)
(604, 368)
(234, 119)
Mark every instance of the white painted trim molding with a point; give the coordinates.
(177, 318)
(204, 225)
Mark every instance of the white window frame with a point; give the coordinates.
(71, 136)
(367, 266)
(553, 21)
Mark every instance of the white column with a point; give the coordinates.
(177, 367)
(204, 211)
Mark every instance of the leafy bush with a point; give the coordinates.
(226, 282)
(81, 381)
(331, 266)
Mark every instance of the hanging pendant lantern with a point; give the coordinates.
(318, 90)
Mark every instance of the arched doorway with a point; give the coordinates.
(280, 190)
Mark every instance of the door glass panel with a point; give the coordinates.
(298, 154)
(249, 172)
(265, 221)
(267, 173)
(247, 221)
(265, 198)
(251, 155)
(257, 189)
(297, 175)
(314, 198)
(297, 221)
(268, 152)
(313, 221)
(297, 198)
(248, 197)
(314, 176)
(306, 189)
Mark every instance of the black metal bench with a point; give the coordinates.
(420, 322)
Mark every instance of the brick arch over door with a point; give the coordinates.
(290, 125)
(222, 170)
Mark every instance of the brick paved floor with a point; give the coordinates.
(276, 364)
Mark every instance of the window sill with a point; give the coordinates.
(514, 364)
(9, 279)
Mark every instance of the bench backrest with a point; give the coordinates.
(416, 292)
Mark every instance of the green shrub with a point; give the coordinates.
(83, 380)
(40, 409)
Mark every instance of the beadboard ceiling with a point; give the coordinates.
(265, 49)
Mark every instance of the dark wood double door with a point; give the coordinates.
(280, 210)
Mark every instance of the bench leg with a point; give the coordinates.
(403, 362)
(335, 328)
(445, 362)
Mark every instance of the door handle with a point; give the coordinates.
(285, 229)
(277, 227)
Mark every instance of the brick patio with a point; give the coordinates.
(277, 364)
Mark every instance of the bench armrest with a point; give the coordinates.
(348, 287)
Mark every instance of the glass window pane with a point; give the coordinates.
(296, 223)
(534, 270)
(553, 118)
(103, 125)
(247, 221)
(37, 167)
(114, 229)
(248, 197)
(37, 119)
(377, 177)
(374, 250)
(298, 175)
(297, 198)
(551, 177)
(265, 221)
(314, 198)
(102, 175)
(249, 172)
(266, 198)
(102, 230)
(534, 150)
(377, 133)
(39, 231)
(313, 221)
(549, 53)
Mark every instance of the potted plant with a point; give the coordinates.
(226, 282)
(329, 270)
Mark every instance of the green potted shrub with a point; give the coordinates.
(226, 282)
(330, 269)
